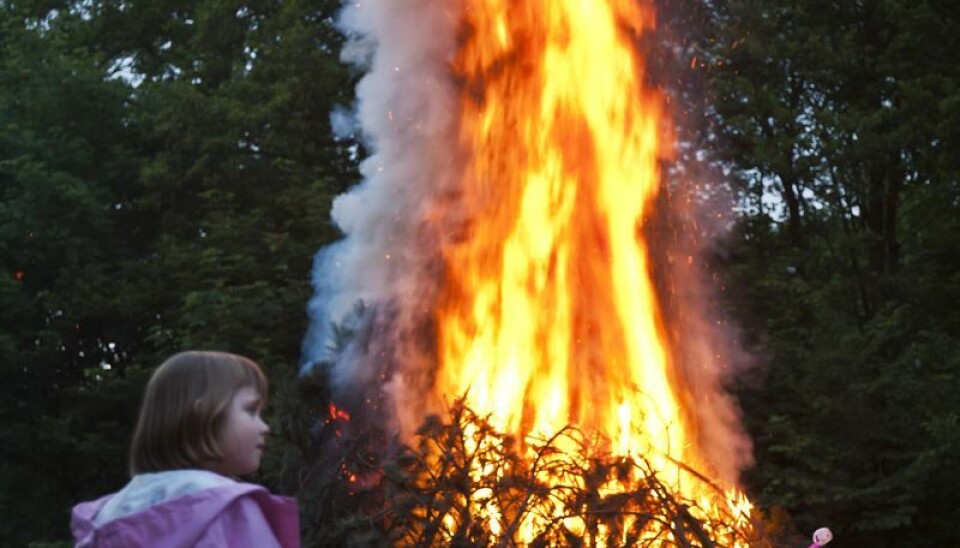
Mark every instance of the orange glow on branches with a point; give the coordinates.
(549, 316)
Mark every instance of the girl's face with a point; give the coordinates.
(243, 435)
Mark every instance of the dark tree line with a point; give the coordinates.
(166, 171)
(847, 285)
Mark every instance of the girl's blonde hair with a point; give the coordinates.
(184, 408)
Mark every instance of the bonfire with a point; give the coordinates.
(529, 329)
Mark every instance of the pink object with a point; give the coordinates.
(821, 537)
(239, 515)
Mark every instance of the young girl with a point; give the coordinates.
(199, 428)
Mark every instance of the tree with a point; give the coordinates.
(167, 170)
(843, 110)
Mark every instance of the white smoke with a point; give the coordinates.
(406, 109)
(696, 212)
(344, 123)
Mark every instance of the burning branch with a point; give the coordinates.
(466, 484)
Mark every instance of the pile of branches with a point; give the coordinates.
(438, 497)
(440, 492)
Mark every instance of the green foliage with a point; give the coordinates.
(844, 110)
(166, 171)
(842, 426)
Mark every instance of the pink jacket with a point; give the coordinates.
(238, 515)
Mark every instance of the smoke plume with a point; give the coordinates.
(381, 281)
(382, 275)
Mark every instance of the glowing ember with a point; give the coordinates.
(337, 413)
(549, 316)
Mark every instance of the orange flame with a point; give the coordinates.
(549, 315)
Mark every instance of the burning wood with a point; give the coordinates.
(520, 284)
(549, 315)
(466, 484)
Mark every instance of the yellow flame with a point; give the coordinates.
(549, 316)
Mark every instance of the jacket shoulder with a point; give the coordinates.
(255, 520)
(182, 521)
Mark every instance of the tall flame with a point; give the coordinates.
(547, 314)
(550, 316)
